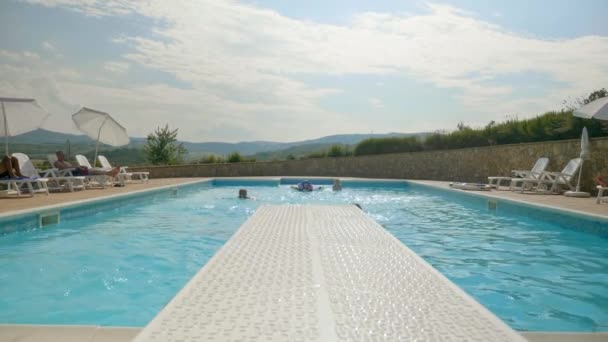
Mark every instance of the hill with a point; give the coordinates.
(295, 151)
(43, 141)
(260, 149)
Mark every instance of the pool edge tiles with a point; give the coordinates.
(245, 181)
(26, 219)
(320, 273)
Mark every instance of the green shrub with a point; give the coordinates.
(211, 159)
(338, 151)
(235, 157)
(388, 145)
(546, 127)
(318, 154)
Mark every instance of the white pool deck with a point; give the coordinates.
(316, 273)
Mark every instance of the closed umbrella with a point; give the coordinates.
(101, 127)
(19, 116)
(584, 155)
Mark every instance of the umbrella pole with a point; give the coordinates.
(97, 145)
(5, 129)
(580, 172)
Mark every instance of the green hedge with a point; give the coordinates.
(546, 127)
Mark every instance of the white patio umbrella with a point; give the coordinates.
(19, 116)
(597, 109)
(584, 155)
(101, 127)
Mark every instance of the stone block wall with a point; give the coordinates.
(464, 165)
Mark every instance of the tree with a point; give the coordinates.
(598, 94)
(335, 151)
(574, 104)
(162, 147)
(235, 157)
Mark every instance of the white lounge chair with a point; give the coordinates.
(537, 169)
(61, 180)
(97, 180)
(129, 176)
(552, 182)
(31, 185)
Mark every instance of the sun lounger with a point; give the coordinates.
(31, 184)
(538, 168)
(550, 182)
(97, 180)
(62, 180)
(20, 187)
(129, 176)
(535, 172)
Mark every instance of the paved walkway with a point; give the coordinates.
(40, 200)
(65, 333)
(320, 273)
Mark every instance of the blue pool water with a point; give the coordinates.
(119, 267)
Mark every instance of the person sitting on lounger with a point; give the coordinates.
(62, 164)
(600, 181)
(9, 168)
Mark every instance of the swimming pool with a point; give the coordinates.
(119, 266)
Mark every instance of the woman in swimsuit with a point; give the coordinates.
(9, 168)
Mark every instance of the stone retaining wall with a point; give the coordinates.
(466, 165)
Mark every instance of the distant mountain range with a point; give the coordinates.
(195, 149)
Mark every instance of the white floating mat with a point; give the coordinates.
(321, 273)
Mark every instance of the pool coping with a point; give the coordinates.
(95, 333)
(71, 204)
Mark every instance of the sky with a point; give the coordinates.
(292, 70)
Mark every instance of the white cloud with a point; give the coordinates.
(10, 55)
(375, 102)
(117, 67)
(94, 8)
(244, 64)
(51, 49)
(444, 47)
(48, 46)
(32, 55)
(18, 56)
